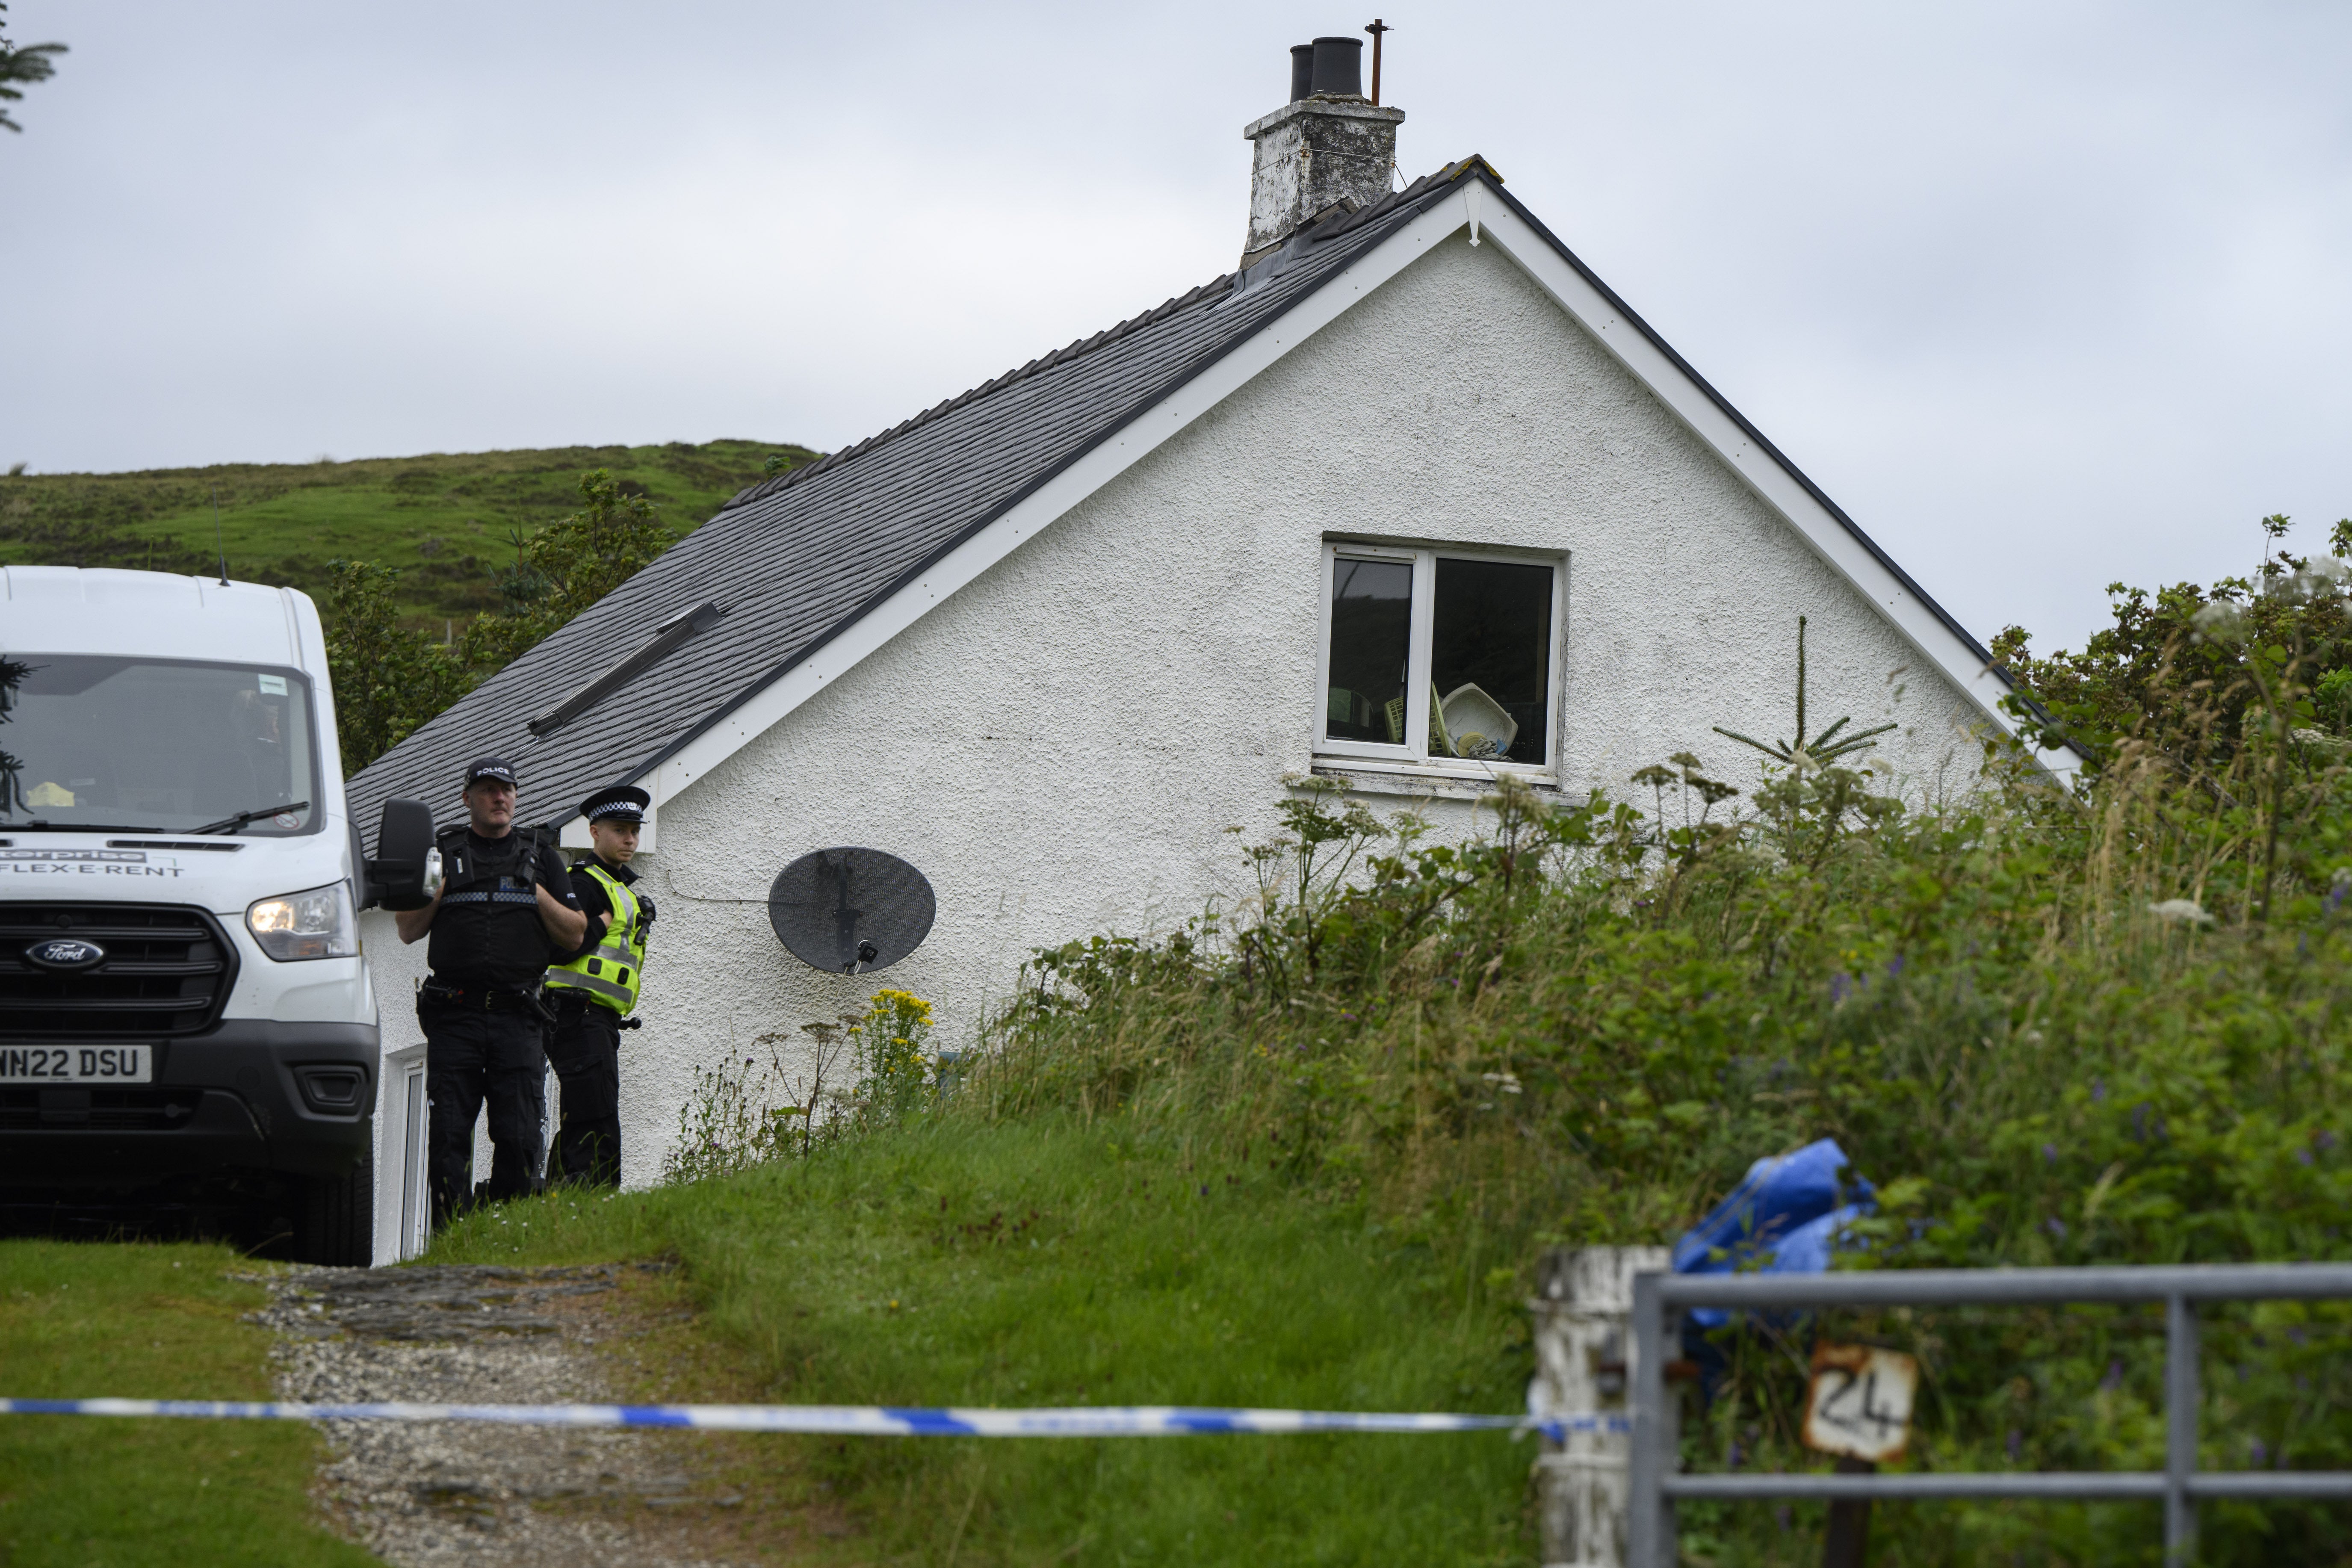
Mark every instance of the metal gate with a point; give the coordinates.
(1658, 1298)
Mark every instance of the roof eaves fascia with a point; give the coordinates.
(1968, 641)
(1403, 218)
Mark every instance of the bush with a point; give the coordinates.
(388, 678)
(2055, 1030)
(566, 567)
(734, 1117)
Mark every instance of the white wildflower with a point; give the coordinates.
(2180, 911)
(2222, 620)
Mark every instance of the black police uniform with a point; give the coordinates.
(483, 1021)
(584, 1043)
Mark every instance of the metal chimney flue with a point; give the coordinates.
(1302, 71)
(1339, 69)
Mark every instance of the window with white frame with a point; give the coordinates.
(1445, 659)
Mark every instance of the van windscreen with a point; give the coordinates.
(162, 745)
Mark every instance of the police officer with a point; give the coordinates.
(594, 989)
(506, 907)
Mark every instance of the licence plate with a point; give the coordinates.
(77, 1064)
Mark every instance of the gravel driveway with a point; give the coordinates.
(423, 1494)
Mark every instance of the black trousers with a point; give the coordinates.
(471, 1058)
(585, 1047)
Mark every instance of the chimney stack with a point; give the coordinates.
(1329, 143)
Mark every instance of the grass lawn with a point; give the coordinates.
(157, 1322)
(1054, 1262)
(447, 520)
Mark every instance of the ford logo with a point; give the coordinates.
(65, 952)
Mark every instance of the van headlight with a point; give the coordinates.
(316, 924)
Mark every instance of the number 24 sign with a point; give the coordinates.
(1860, 1402)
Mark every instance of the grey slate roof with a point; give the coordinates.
(799, 558)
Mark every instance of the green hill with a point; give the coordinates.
(448, 522)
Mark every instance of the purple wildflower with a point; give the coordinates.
(2015, 1443)
(2304, 1156)
(1895, 966)
(2335, 894)
(1840, 986)
(2049, 1154)
(2260, 1449)
(2114, 1375)
(2139, 1122)
(2098, 1089)
(2056, 1226)
(2323, 1140)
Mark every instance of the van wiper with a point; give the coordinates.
(231, 824)
(41, 825)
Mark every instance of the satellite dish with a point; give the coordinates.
(847, 910)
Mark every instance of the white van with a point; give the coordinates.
(185, 1021)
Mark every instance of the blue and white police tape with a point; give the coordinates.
(847, 1420)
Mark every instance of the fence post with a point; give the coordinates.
(1650, 1522)
(2179, 1430)
(1582, 1314)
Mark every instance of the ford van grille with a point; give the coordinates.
(101, 1110)
(166, 970)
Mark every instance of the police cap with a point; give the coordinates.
(616, 802)
(496, 768)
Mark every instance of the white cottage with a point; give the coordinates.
(1409, 501)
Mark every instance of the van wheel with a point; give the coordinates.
(336, 1222)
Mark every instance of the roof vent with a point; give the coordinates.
(664, 641)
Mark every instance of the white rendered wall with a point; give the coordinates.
(1061, 745)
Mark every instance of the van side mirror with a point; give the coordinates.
(406, 870)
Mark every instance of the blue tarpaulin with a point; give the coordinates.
(1784, 1217)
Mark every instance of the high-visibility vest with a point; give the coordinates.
(610, 970)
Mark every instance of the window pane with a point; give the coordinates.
(159, 744)
(1490, 659)
(1372, 630)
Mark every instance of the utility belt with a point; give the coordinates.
(570, 1005)
(440, 995)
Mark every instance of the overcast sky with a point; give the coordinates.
(2044, 295)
